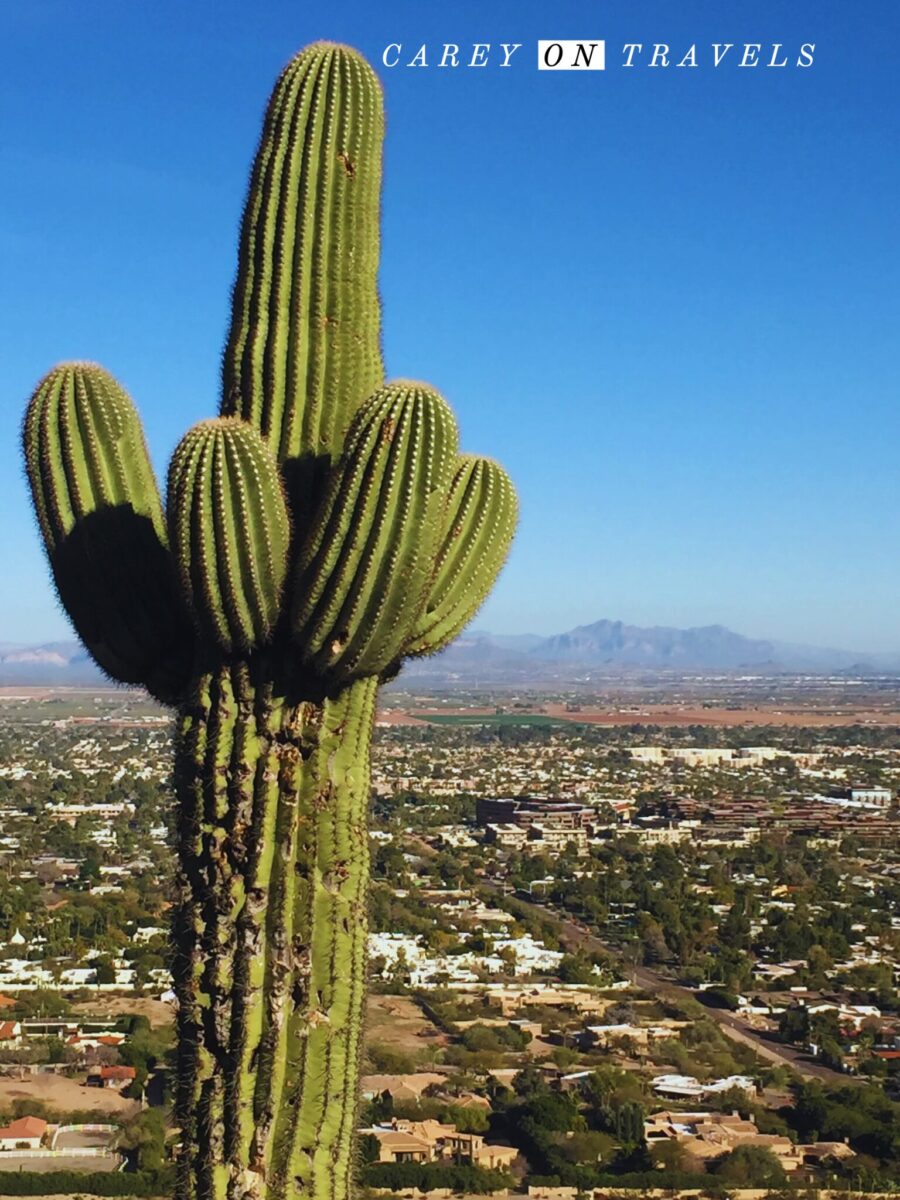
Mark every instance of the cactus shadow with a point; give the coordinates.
(304, 484)
(118, 583)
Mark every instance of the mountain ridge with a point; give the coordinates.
(610, 645)
(615, 644)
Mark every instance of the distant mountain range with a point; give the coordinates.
(606, 647)
(609, 647)
(59, 663)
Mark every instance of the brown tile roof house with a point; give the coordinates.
(10, 1031)
(87, 1041)
(111, 1076)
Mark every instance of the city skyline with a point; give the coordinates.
(666, 299)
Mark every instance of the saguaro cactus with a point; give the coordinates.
(317, 532)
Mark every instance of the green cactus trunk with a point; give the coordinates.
(271, 935)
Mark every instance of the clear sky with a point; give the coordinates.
(667, 299)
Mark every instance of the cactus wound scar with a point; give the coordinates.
(323, 528)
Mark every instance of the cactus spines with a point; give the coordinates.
(318, 531)
(304, 347)
(477, 529)
(363, 572)
(229, 530)
(102, 522)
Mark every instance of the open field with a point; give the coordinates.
(552, 714)
(784, 702)
(65, 1095)
(156, 1011)
(57, 1162)
(663, 714)
(398, 1022)
(47, 691)
(397, 716)
(81, 705)
(494, 719)
(83, 1139)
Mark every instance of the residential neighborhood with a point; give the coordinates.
(599, 956)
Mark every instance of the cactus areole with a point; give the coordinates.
(320, 530)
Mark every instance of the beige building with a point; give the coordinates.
(713, 1135)
(551, 839)
(510, 837)
(431, 1141)
(669, 834)
(578, 997)
(400, 1087)
(643, 1036)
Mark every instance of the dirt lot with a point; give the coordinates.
(65, 1095)
(398, 1022)
(57, 1162)
(397, 716)
(156, 1012)
(662, 714)
(667, 714)
(79, 1139)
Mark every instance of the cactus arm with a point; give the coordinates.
(303, 350)
(363, 573)
(230, 532)
(101, 517)
(478, 526)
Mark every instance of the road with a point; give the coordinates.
(731, 1025)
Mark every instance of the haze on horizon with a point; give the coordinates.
(667, 301)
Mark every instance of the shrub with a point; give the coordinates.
(425, 1176)
(720, 997)
(751, 1166)
(112, 1183)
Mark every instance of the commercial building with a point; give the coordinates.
(524, 812)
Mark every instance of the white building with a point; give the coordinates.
(688, 1088)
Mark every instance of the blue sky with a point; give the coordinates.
(667, 299)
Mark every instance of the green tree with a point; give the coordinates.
(369, 1148)
(751, 1167)
(144, 1137)
(794, 1025)
(106, 972)
(576, 968)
